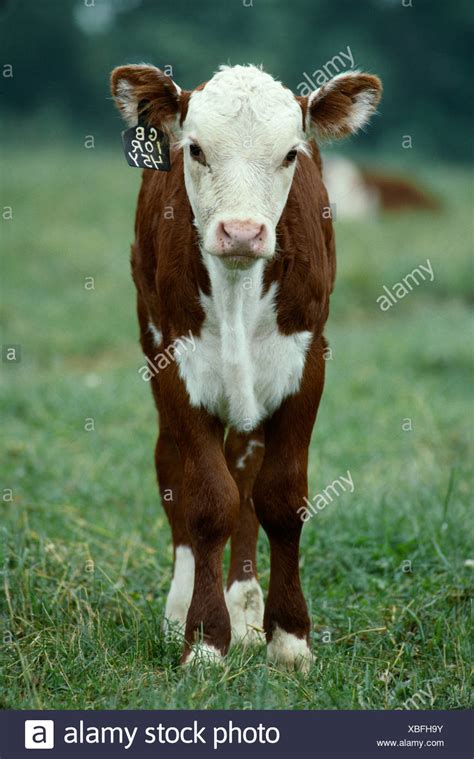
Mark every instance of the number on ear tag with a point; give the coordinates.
(146, 147)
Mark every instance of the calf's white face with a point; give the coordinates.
(240, 139)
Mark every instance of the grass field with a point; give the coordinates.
(86, 550)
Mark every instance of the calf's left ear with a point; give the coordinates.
(159, 98)
(343, 105)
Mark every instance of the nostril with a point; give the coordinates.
(222, 233)
(226, 232)
(241, 231)
(241, 235)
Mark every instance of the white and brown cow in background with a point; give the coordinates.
(246, 266)
(357, 192)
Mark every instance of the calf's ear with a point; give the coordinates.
(159, 98)
(343, 105)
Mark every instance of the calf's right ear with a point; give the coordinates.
(342, 105)
(159, 98)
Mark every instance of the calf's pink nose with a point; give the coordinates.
(237, 235)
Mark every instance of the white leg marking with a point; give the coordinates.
(181, 590)
(244, 601)
(204, 653)
(251, 445)
(157, 336)
(287, 651)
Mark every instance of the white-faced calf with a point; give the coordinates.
(234, 246)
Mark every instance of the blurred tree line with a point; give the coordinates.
(61, 53)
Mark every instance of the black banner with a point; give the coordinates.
(331, 734)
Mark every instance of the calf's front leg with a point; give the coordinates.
(279, 493)
(210, 503)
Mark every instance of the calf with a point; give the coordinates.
(234, 249)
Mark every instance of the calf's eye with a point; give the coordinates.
(196, 153)
(290, 157)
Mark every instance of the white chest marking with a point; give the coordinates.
(243, 367)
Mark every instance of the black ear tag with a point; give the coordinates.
(146, 147)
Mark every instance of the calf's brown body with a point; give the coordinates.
(211, 500)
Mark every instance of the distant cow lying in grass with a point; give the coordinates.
(234, 246)
(358, 193)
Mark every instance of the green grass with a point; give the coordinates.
(86, 547)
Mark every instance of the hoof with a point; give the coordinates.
(203, 654)
(287, 651)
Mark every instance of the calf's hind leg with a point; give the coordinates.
(244, 597)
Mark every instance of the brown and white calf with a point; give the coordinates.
(235, 247)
